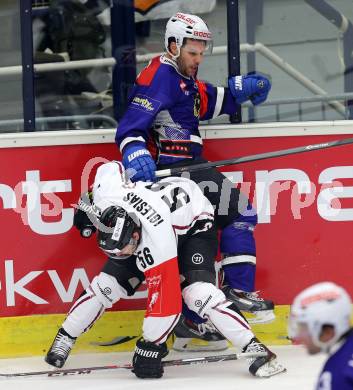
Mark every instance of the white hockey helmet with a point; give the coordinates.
(321, 304)
(181, 26)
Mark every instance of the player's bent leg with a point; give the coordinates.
(196, 261)
(209, 301)
(102, 293)
(239, 268)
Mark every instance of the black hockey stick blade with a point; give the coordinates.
(254, 157)
(167, 363)
(115, 341)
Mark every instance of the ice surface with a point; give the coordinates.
(302, 371)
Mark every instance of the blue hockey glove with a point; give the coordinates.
(139, 161)
(253, 86)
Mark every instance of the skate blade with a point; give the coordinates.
(270, 369)
(194, 345)
(260, 317)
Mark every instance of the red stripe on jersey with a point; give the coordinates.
(203, 97)
(164, 293)
(146, 76)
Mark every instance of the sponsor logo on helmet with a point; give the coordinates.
(185, 18)
(202, 34)
(118, 229)
(323, 296)
(197, 258)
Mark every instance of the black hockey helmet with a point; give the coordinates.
(116, 230)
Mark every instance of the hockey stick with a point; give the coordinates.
(167, 363)
(115, 341)
(253, 157)
(233, 48)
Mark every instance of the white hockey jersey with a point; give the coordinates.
(171, 207)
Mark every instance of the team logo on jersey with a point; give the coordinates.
(154, 299)
(197, 105)
(154, 281)
(145, 104)
(154, 287)
(197, 258)
(183, 87)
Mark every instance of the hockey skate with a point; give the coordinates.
(258, 310)
(60, 349)
(208, 338)
(264, 366)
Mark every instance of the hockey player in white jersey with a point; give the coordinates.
(163, 233)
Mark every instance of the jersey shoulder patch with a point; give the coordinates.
(146, 76)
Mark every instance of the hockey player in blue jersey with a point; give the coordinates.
(320, 319)
(160, 130)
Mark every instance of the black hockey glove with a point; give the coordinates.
(84, 216)
(147, 361)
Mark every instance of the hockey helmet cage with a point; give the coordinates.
(181, 26)
(321, 304)
(116, 230)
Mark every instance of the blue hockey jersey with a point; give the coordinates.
(337, 373)
(164, 111)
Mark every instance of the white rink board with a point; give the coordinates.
(302, 371)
